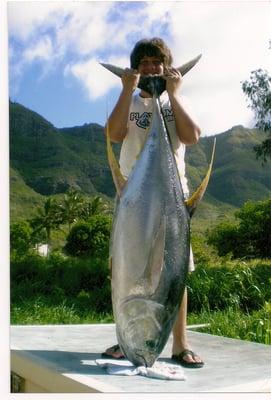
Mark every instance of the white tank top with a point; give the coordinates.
(140, 114)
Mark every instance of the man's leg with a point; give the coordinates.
(180, 341)
(113, 352)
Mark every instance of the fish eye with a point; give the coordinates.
(150, 344)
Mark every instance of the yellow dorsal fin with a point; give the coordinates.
(196, 197)
(118, 178)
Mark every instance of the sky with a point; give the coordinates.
(55, 49)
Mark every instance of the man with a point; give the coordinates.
(129, 122)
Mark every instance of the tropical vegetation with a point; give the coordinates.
(72, 284)
(61, 195)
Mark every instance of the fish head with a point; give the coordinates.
(140, 330)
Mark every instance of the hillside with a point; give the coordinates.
(237, 176)
(23, 199)
(47, 161)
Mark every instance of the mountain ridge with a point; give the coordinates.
(49, 160)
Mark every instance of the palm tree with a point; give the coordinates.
(94, 206)
(70, 208)
(48, 218)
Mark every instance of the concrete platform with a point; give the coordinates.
(61, 359)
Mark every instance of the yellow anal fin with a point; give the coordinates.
(196, 197)
(118, 178)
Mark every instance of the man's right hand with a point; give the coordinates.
(130, 79)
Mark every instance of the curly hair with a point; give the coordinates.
(154, 47)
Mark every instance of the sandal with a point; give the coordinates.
(179, 358)
(114, 349)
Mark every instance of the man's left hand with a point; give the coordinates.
(173, 79)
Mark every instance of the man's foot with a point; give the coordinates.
(188, 359)
(113, 352)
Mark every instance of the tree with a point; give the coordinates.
(258, 91)
(70, 208)
(90, 238)
(48, 218)
(94, 206)
(224, 238)
(20, 237)
(254, 228)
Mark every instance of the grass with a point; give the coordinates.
(232, 323)
(233, 296)
(40, 312)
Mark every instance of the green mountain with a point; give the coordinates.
(237, 176)
(47, 161)
(23, 199)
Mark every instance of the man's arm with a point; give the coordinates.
(118, 120)
(186, 129)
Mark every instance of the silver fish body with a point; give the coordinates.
(149, 250)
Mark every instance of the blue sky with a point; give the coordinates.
(55, 48)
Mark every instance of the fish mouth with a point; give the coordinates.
(140, 356)
(146, 359)
(153, 84)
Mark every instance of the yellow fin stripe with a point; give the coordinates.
(118, 178)
(196, 197)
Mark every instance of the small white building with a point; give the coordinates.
(42, 249)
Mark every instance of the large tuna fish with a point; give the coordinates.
(150, 241)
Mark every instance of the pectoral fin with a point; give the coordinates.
(196, 197)
(156, 259)
(118, 178)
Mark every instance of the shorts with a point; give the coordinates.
(191, 266)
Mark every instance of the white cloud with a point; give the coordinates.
(233, 39)
(25, 18)
(96, 80)
(85, 28)
(93, 77)
(42, 50)
(48, 32)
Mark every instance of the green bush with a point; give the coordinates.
(58, 277)
(254, 229)
(85, 283)
(250, 238)
(224, 238)
(238, 284)
(201, 251)
(29, 267)
(20, 237)
(90, 238)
